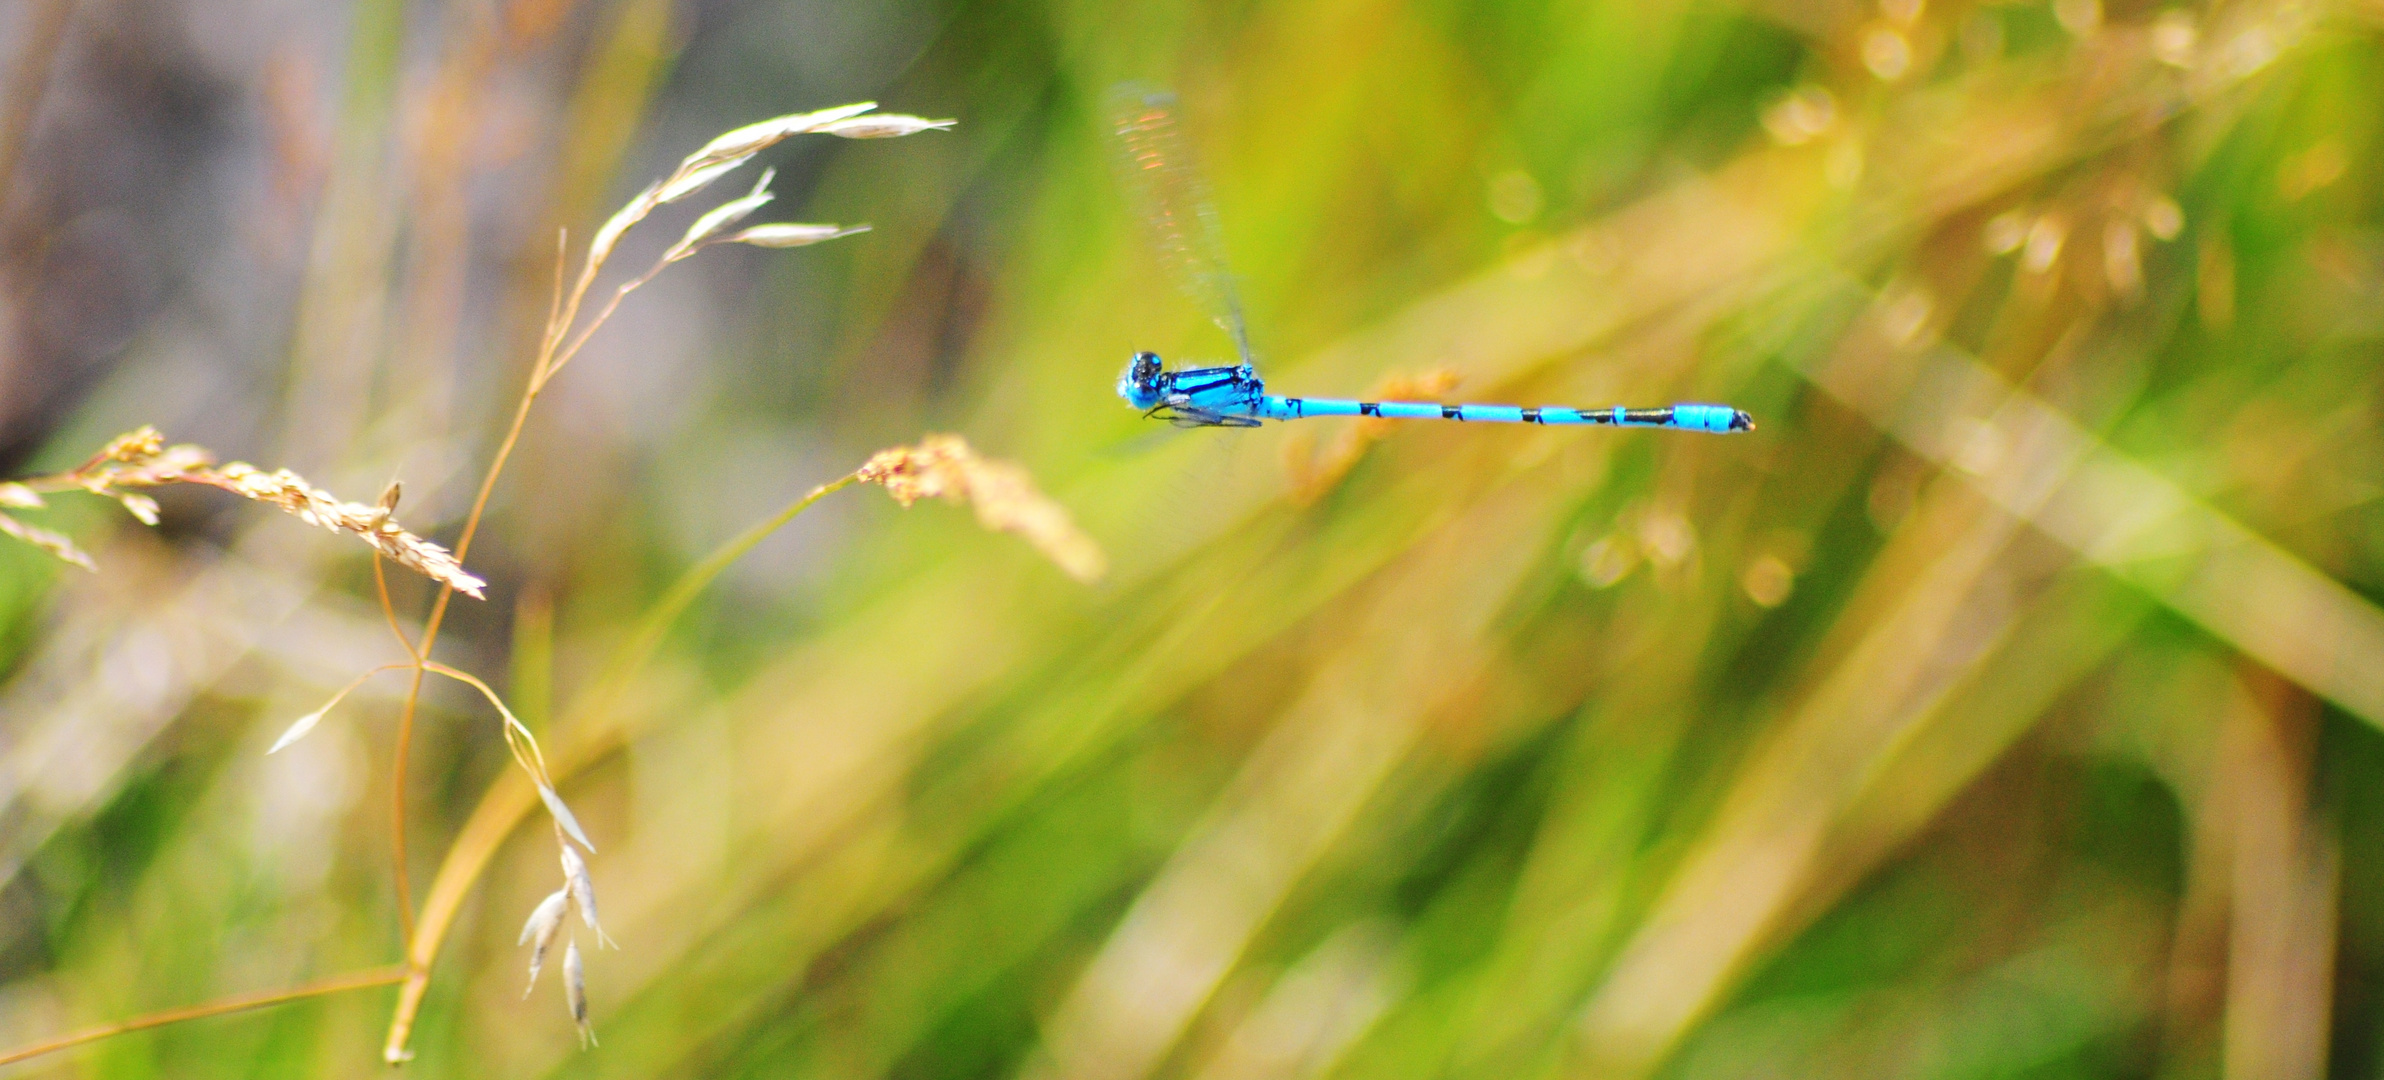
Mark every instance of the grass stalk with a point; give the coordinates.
(336, 984)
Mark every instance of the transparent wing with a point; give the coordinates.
(1156, 168)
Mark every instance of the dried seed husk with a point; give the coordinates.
(883, 126)
(562, 814)
(790, 234)
(698, 178)
(298, 729)
(1004, 496)
(720, 217)
(600, 247)
(575, 994)
(753, 137)
(583, 891)
(139, 506)
(55, 543)
(546, 920)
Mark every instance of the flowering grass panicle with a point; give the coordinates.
(20, 497)
(583, 893)
(1004, 496)
(140, 458)
(723, 155)
(546, 920)
(371, 524)
(575, 993)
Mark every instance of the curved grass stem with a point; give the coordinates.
(356, 980)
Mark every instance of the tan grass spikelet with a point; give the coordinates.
(690, 181)
(724, 154)
(746, 141)
(719, 218)
(731, 150)
(575, 993)
(299, 728)
(546, 920)
(315, 506)
(140, 458)
(304, 724)
(56, 544)
(525, 751)
(1004, 496)
(882, 126)
(788, 234)
(583, 893)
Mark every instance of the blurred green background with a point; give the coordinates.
(2005, 706)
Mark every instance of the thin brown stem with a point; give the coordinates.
(389, 610)
(397, 800)
(397, 781)
(554, 300)
(517, 734)
(355, 980)
(606, 312)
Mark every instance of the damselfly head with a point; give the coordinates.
(1139, 385)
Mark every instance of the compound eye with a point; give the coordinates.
(1146, 366)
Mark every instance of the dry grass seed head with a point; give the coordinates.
(699, 170)
(57, 544)
(139, 444)
(140, 458)
(299, 727)
(315, 506)
(575, 993)
(730, 151)
(883, 126)
(583, 892)
(546, 920)
(788, 234)
(719, 218)
(746, 141)
(1004, 496)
